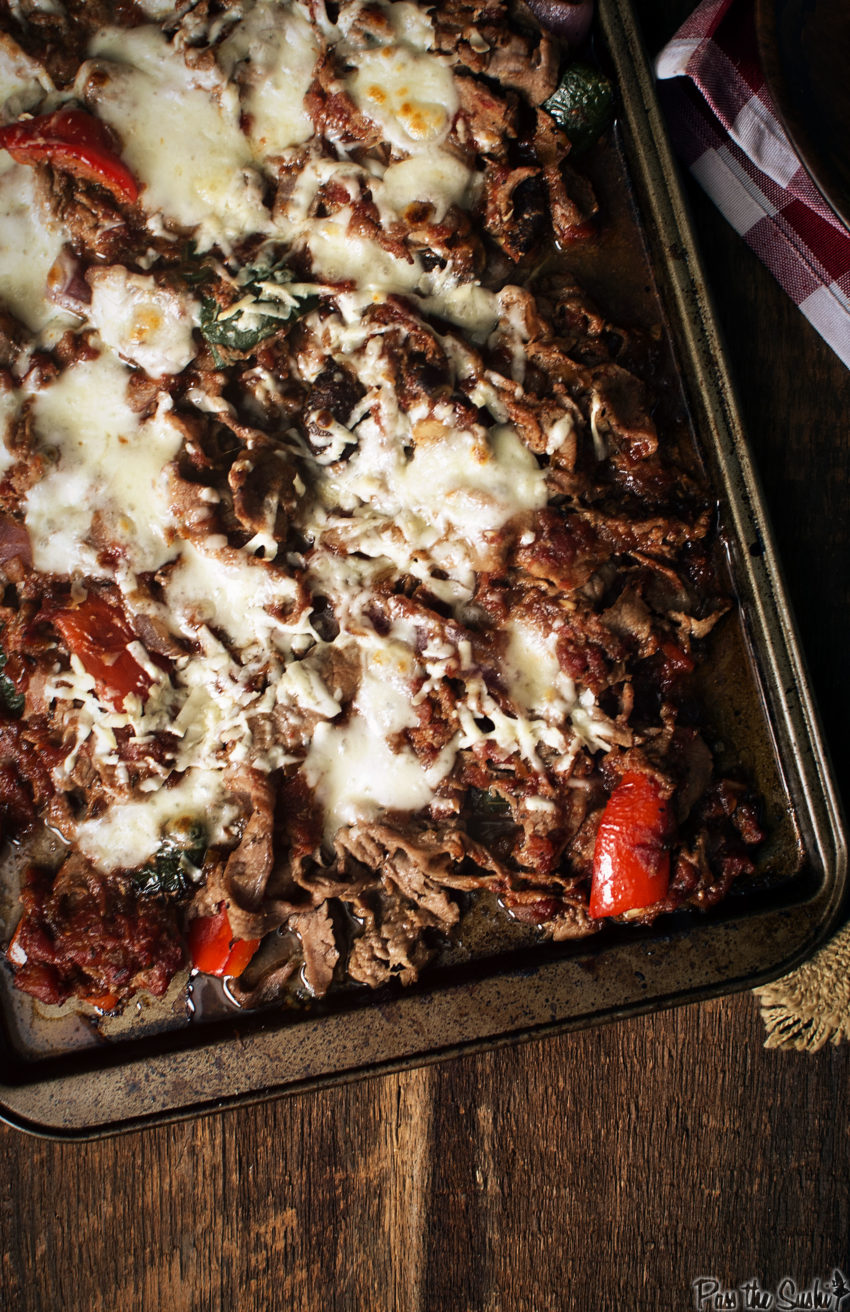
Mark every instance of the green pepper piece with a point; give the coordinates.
(583, 105)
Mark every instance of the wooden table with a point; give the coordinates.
(607, 1169)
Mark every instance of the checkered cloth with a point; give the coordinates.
(724, 128)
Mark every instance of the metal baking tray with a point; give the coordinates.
(63, 1078)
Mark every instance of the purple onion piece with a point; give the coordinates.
(569, 19)
(66, 286)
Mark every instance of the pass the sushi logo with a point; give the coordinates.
(830, 1294)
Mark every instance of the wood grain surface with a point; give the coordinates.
(602, 1170)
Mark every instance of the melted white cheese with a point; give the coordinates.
(220, 699)
(435, 177)
(23, 82)
(463, 482)
(339, 256)
(533, 673)
(469, 306)
(10, 404)
(157, 9)
(474, 485)
(180, 135)
(353, 768)
(302, 686)
(231, 595)
(107, 463)
(30, 242)
(277, 49)
(411, 24)
(417, 496)
(148, 325)
(129, 833)
(410, 95)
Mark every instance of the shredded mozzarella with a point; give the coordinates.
(390, 493)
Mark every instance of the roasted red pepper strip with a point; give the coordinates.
(631, 860)
(214, 950)
(103, 1001)
(73, 140)
(98, 633)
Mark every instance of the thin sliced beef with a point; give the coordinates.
(263, 484)
(315, 928)
(515, 212)
(333, 111)
(489, 116)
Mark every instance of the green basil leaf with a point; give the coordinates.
(229, 332)
(195, 275)
(260, 312)
(174, 868)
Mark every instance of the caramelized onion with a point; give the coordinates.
(14, 541)
(569, 19)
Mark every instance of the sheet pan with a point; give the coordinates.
(61, 1078)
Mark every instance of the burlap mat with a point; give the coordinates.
(810, 1007)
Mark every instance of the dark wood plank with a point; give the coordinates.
(605, 1169)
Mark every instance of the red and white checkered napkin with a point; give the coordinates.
(724, 127)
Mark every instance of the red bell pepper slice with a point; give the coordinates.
(97, 632)
(631, 859)
(214, 950)
(73, 140)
